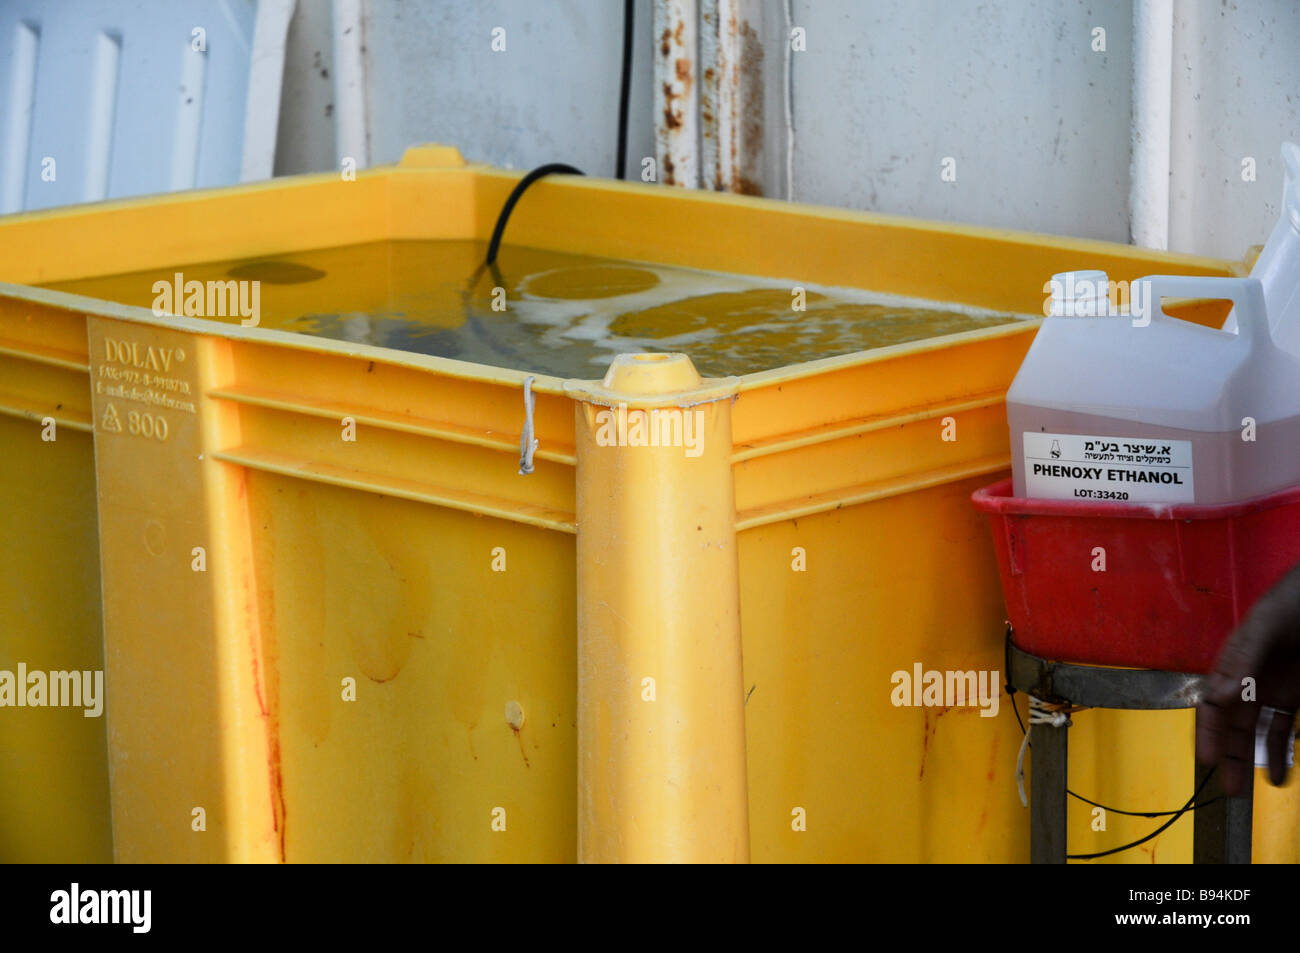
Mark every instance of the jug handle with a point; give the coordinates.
(1246, 294)
(1291, 184)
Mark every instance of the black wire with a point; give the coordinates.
(1115, 810)
(1159, 830)
(625, 90)
(476, 326)
(551, 167)
(624, 95)
(1107, 807)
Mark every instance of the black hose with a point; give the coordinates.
(494, 246)
(1115, 810)
(625, 90)
(1159, 830)
(624, 96)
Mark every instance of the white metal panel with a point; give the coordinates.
(265, 83)
(351, 118)
(1153, 50)
(126, 97)
(16, 99)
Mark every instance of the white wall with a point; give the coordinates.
(1236, 94)
(552, 96)
(1037, 122)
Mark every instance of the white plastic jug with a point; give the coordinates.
(1278, 266)
(1147, 408)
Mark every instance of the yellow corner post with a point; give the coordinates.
(193, 772)
(661, 716)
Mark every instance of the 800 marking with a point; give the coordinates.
(152, 426)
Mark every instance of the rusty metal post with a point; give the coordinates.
(675, 106)
(731, 96)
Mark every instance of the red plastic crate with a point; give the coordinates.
(1177, 578)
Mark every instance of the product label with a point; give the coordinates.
(1067, 466)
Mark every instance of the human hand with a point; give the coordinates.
(1258, 665)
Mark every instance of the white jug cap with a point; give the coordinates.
(1080, 294)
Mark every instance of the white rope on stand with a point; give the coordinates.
(1040, 713)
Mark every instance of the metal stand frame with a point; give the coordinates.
(1222, 830)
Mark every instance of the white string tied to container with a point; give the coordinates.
(1040, 713)
(527, 442)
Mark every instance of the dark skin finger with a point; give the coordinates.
(1226, 723)
(1276, 742)
(1258, 665)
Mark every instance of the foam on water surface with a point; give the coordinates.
(564, 315)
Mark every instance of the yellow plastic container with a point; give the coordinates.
(337, 623)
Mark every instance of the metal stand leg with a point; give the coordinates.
(1048, 772)
(1211, 821)
(1222, 832)
(1241, 824)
